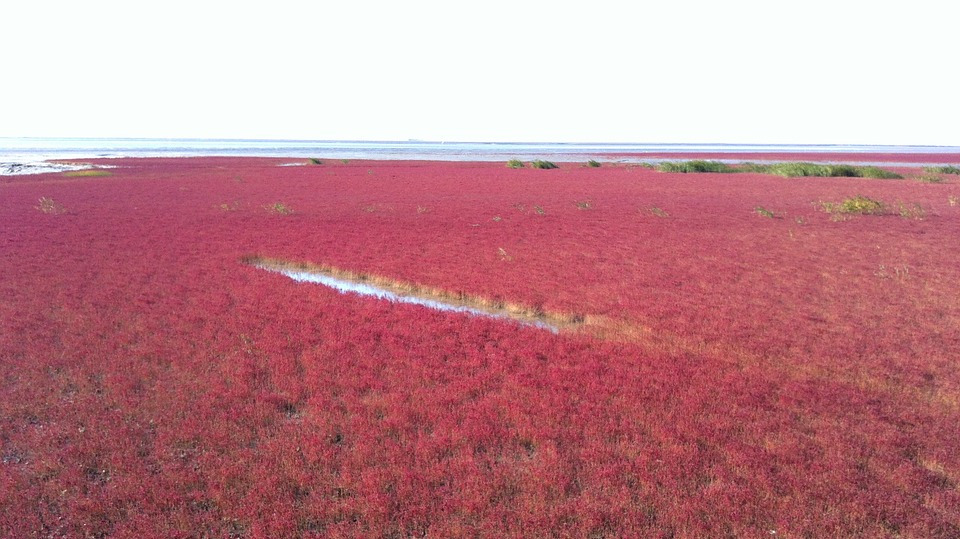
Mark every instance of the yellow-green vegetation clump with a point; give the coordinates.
(858, 205)
(88, 173)
(861, 205)
(279, 208)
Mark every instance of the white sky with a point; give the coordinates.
(811, 72)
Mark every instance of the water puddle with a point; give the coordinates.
(354, 286)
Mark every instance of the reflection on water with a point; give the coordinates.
(365, 289)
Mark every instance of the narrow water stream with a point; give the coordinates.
(365, 289)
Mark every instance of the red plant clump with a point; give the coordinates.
(793, 375)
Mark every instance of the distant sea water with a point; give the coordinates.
(29, 155)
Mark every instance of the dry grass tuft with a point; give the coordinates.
(50, 206)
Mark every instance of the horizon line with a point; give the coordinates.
(510, 142)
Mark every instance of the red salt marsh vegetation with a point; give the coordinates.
(787, 372)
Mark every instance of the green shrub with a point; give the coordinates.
(514, 163)
(315, 161)
(537, 163)
(949, 169)
(695, 166)
(592, 163)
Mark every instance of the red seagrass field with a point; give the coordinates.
(742, 358)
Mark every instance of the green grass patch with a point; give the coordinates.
(930, 178)
(797, 170)
(593, 163)
(949, 169)
(878, 173)
(787, 170)
(695, 166)
(93, 172)
(537, 163)
(753, 167)
(514, 163)
(315, 161)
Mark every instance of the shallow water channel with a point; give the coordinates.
(364, 289)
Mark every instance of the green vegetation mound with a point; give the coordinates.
(949, 169)
(543, 164)
(795, 170)
(695, 166)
